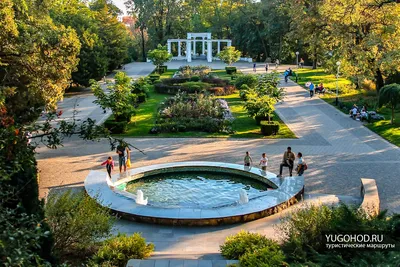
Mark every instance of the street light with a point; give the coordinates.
(337, 82)
(297, 58)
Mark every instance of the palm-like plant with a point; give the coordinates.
(390, 95)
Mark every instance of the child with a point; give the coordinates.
(109, 165)
(247, 159)
(264, 162)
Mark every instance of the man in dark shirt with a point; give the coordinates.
(287, 161)
(121, 149)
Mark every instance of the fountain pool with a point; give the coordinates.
(194, 193)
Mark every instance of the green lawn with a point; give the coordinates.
(244, 126)
(352, 96)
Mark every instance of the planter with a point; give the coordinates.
(230, 70)
(162, 69)
(269, 128)
(262, 118)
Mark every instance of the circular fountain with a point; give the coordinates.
(194, 193)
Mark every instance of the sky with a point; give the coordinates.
(120, 5)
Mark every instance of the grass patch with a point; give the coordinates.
(349, 97)
(168, 74)
(222, 74)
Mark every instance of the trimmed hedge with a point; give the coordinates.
(230, 70)
(116, 127)
(269, 128)
(154, 77)
(248, 79)
(173, 81)
(215, 81)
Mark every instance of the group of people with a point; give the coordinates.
(288, 160)
(320, 89)
(358, 114)
(124, 159)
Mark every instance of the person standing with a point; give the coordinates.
(109, 165)
(254, 67)
(266, 67)
(264, 162)
(301, 62)
(276, 63)
(121, 149)
(287, 161)
(247, 159)
(312, 87)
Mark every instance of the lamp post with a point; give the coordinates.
(337, 82)
(297, 58)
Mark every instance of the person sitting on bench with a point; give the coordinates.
(320, 89)
(287, 161)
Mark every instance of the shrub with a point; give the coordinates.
(167, 89)
(215, 81)
(230, 70)
(118, 250)
(154, 77)
(269, 128)
(192, 87)
(77, 222)
(218, 91)
(244, 242)
(116, 127)
(249, 79)
(229, 89)
(141, 97)
(163, 68)
(172, 81)
(270, 256)
(195, 78)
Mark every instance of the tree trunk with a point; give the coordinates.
(143, 47)
(379, 80)
(392, 119)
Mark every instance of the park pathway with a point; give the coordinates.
(339, 152)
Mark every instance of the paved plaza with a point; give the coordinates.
(339, 151)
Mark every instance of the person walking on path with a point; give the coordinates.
(254, 67)
(121, 149)
(287, 161)
(266, 67)
(247, 159)
(301, 63)
(312, 87)
(264, 162)
(109, 165)
(276, 63)
(301, 165)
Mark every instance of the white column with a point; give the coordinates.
(203, 47)
(229, 43)
(179, 49)
(194, 47)
(169, 46)
(189, 50)
(209, 51)
(219, 47)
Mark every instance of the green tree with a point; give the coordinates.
(119, 99)
(260, 106)
(229, 55)
(159, 56)
(390, 95)
(114, 35)
(365, 37)
(93, 60)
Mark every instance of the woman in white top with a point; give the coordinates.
(264, 162)
(300, 164)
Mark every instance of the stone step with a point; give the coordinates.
(180, 263)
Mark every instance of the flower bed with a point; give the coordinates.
(199, 112)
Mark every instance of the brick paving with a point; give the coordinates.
(339, 152)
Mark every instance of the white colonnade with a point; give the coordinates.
(191, 41)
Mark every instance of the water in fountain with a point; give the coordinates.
(244, 198)
(140, 198)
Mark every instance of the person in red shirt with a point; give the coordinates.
(109, 165)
